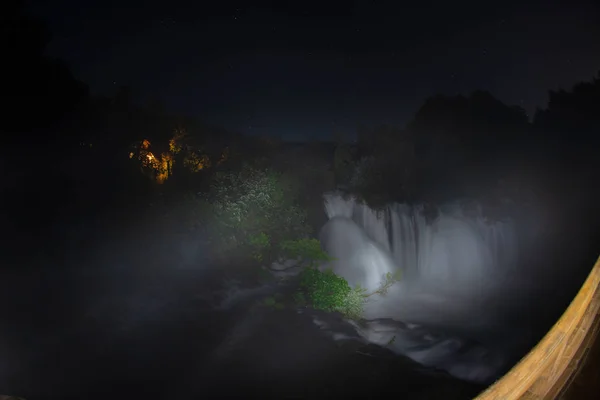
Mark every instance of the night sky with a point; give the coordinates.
(304, 69)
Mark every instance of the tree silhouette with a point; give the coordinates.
(477, 126)
(569, 127)
(38, 91)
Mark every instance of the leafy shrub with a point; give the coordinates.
(269, 301)
(257, 198)
(388, 280)
(254, 208)
(325, 290)
(260, 245)
(352, 306)
(273, 302)
(329, 292)
(300, 299)
(196, 161)
(306, 249)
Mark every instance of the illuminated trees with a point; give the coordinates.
(196, 161)
(157, 168)
(251, 211)
(181, 153)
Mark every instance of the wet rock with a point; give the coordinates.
(286, 268)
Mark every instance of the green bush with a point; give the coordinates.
(254, 209)
(306, 249)
(273, 302)
(260, 245)
(352, 306)
(329, 292)
(269, 301)
(300, 299)
(325, 290)
(388, 280)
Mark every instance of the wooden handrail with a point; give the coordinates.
(547, 371)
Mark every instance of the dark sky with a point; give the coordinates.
(303, 69)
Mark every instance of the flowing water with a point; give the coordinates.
(459, 305)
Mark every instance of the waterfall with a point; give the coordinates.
(457, 269)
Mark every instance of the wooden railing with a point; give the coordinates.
(548, 370)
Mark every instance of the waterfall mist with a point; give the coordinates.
(465, 301)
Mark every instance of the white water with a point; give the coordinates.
(448, 311)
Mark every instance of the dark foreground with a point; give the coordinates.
(109, 308)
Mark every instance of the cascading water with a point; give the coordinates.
(457, 269)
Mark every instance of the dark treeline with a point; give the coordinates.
(454, 146)
(38, 91)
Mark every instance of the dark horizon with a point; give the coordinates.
(301, 72)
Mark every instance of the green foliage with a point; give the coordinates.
(255, 208)
(264, 276)
(325, 290)
(176, 142)
(253, 199)
(260, 245)
(352, 306)
(329, 292)
(196, 161)
(269, 301)
(307, 249)
(388, 280)
(272, 302)
(391, 342)
(300, 299)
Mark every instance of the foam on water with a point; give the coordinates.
(457, 268)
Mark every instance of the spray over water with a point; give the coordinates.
(458, 272)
